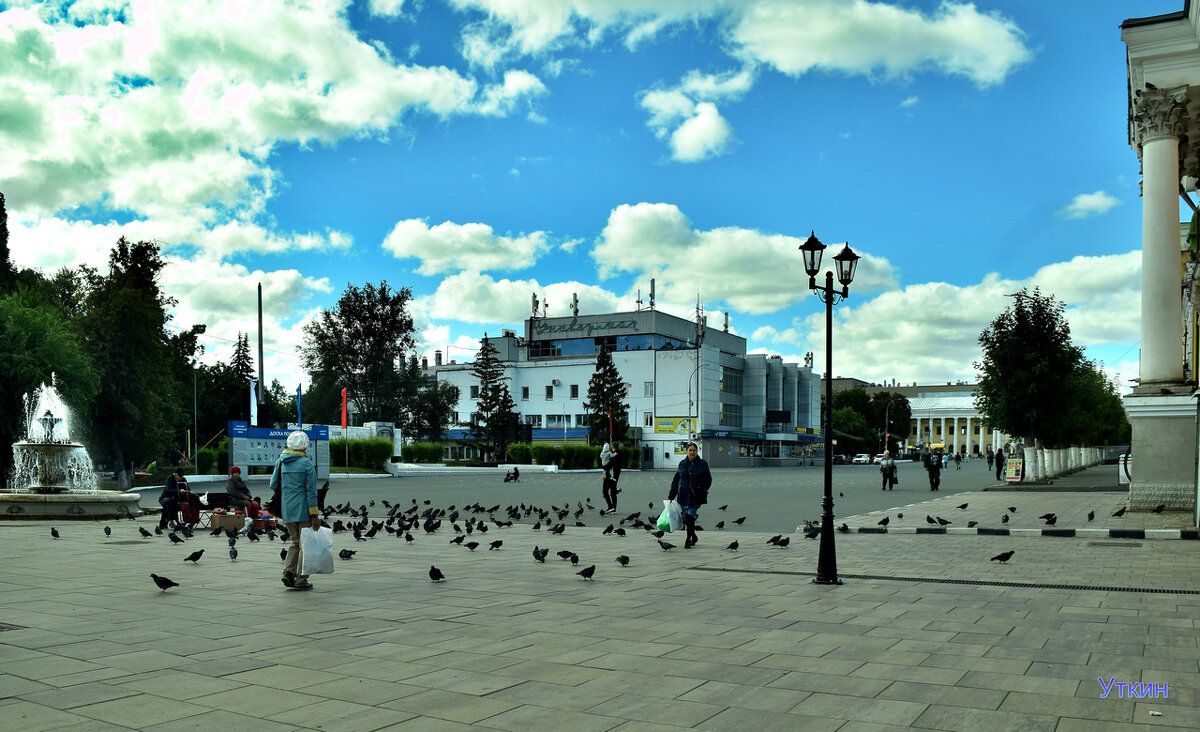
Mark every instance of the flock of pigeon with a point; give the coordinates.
(468, 522)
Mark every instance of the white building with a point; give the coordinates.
(685, 381)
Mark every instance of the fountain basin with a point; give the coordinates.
(69, 506)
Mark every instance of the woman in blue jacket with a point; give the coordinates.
(296, 479)
(689, 488)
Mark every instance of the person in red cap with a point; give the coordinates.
(239, 493)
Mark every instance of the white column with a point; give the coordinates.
(1158, 123)
(969, 435)
(943, 431)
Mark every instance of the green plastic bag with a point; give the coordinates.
(671, 518)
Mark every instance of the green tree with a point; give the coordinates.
(363, 344)
(283, 403)
(242, 361)
(1030, 375)
(36, 345)
(495, 412)
(851, 430)
(607, 391)
(8, 274)
(134, 415)
(894, 421)
(433, 404)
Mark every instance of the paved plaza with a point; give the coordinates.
(925, 633)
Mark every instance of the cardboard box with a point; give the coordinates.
(228, 521)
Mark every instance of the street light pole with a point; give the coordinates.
(846, 262)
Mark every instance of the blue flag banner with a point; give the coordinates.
(299, 408)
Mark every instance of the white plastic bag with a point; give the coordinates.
(317, 549)
(671, 518)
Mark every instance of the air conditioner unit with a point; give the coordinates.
(555, 382)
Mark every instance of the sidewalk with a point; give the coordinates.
(925, 633)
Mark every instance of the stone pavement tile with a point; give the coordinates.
(555, 673)
(1078, 657)
(339, 716)
(91, 649)
(257, 701)
(1172, 716)
(320, 660)
(370, 668)
(282, 676)
(1109, 710)
(452, 706)
(176, 684)
(822, 683)
(653, 709)
(1019, 682)
(971, 663)
(758, 720)
(735, 657)
(49, 665)
(744, 697)
(469, 661)
(16, 686)
(462, 681)
(633, 682)
(930, 647)
(86, 677)
(637, 725)
(11, 654)
(858, 653)
(78, 695)
(960, 718)
(141, 660)
(1067, 724)
(877, 710)
(228, 665)
(393, 652)
(809, 664)
(140, 710)
(218, 719)
(21, 716)
(430, 724)
(361, 691)
(955, 696)
(898, 672)
(1150, 661)
(554, 696)
(529, 717)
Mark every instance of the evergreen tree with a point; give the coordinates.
(8, 274)
(495, 411)
(242, 362)
(606, 396)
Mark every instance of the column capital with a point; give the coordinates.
(1158, 113)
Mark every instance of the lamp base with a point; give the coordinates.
(823, 581)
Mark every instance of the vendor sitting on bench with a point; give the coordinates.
(239, 493)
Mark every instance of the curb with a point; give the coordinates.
(1146, 534)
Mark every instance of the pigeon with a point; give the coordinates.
(1159, 508)
(347, 553)
(174, 539)
(1119, 512)
(775, 539)
(233, 541)
(1046, 516)
(540, 554)
(811, 532)
(721, 525)
(929, 519)
(843, 528)
(1004, 519)
(283, 554)
(54, 532)
(1091, 515)
(458, 539)
(163, 583)
(496, 544)
(1004, 557)
(587, 572)
(739, 521)
(233, 553)
(899, 515)
(565, 554)
(435, 574)
(963, 506)
(972, 524)
(107, 531)
(943, 522)
(884, 521)
(194, 557)
(658, 534)
(608, 530)
(471, 545)
(620, 532)
(1012, 509)
(722, 508)
(623, 560)
(665, 546)
(1052, 520)
(782, 543)
(145, 534)
(158, 531)
(574, 559)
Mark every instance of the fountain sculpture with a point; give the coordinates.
(53, 475)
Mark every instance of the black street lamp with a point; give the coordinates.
(846, 262)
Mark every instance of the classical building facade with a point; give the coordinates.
(685, 380)
(1163, 82)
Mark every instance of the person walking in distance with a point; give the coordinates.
(1001, 458)
(689, 488)
(612, 474)
(887, 467)
(935, 469)
(296, 479)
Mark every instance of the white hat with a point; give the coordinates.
(297, 441)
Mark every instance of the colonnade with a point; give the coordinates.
(946, 430)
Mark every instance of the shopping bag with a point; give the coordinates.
(317, 549)
(671, 518)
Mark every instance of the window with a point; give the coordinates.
(574, 391)
(730, 415)
(524, 393)
(581, 420)
(474, 391)
(649, 419)
(549, 391)
(533, 420)
(648, 389)
(556, 421)
(731, 380)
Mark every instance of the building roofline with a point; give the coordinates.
(1156, 19)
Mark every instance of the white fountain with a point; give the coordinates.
(53, 475)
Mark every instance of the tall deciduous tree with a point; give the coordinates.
(362, 344)
(495, 412)
(606, 395)
(1034, 382)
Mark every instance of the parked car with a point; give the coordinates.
(840, 460)
(861, 459)
(877, 460)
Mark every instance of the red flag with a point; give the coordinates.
(343, 408)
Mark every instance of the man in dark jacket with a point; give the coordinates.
(689, 488)
(935, 469)
(173, 494)
(612, 474)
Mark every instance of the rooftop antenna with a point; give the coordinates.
(726, 321)
(651, 293)
(535, 304)
(575, 303)
(545, 308)
(639, 299)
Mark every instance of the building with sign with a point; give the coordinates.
(685, 380)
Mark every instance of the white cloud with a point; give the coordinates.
(386, 7)
(910, 102)
(687, 116)
(448, 247)
(1088, 204)
(723, 265)
(518, 86)
(706, 134)
(471, 297)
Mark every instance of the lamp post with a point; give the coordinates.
(846, 262)
(887, 422)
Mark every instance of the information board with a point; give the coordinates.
(259, 447)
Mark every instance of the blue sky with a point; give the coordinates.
(478, 151)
